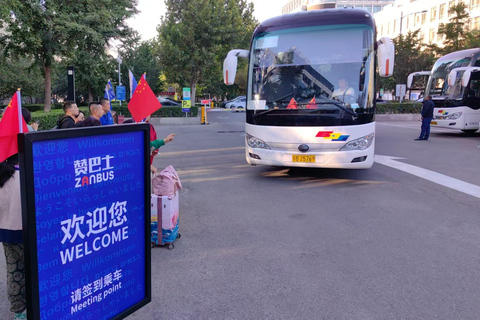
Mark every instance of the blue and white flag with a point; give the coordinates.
(109, 92)
(133, 83)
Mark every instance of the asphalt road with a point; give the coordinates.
(279, 243)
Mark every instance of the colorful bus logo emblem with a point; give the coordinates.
(443, 112)
(333, 136)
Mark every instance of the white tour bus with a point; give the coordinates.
(311, 89)
(454, 84)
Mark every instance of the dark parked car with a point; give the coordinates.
(167, 102)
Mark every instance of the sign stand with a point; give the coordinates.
(86, 221)
(186, 102)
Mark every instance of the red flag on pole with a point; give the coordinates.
(143, 102)
(11, 124)
(312, 104)
(292, 104)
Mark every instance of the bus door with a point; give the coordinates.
(472, 91)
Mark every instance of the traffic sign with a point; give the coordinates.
(186, 105)
(121, 93)
(186, 93)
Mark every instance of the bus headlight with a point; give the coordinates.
(454, 116)
(359, 144)
(256, 143)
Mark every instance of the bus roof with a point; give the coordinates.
(316, 18)
(457, 55)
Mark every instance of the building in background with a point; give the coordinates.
(369, 5)
(409, 15)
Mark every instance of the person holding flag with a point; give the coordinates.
(12, 124)
(10, 205)
(142, 104)
(107, 117)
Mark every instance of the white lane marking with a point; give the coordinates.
(430, 175)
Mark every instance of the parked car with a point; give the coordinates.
(167, 102)
(239, 105)
(228, 104)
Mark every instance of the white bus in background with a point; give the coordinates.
(311, 89)
(454, 84)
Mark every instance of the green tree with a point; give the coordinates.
(410, 55)
(19, 72)
(54, 29)
(195, 36)
(140, 58)
(456, 30)
(472, 39)
(91, 76)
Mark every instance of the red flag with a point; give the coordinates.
(143, 102)
(292, 104)
(10, 127)
(312, 104)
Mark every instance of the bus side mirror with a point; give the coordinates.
(466, 77)
(386, 57)
(409, 80)
(230, 65)
(452, 77)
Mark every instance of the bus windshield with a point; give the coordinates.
(321, 75)
(438, 82)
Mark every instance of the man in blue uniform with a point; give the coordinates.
(107, 118)
(427, 116)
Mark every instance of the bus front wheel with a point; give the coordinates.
(470, 132)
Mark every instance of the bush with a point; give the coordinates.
(163, 112)
(38, 106)
(49, 120)
(395, 107)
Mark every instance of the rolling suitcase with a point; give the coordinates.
(164, 220)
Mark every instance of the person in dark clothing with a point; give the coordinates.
(27, 116)
(427, 116)
(80, 117)
(68, 119)
(96, 112)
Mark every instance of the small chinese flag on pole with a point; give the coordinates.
(143, 102)
(292, 104)
(11, 124)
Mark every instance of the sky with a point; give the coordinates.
(148, 19)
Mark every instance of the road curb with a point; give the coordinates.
(175, 121)
(398, 117)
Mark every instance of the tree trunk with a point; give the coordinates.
(194, 89)
(47, 104)
(90, 94)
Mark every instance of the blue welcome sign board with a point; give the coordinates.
(86, 217)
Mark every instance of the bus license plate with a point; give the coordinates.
(302, 158)
(434, 123)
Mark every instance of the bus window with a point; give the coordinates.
(473, 89)
(437, 86)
